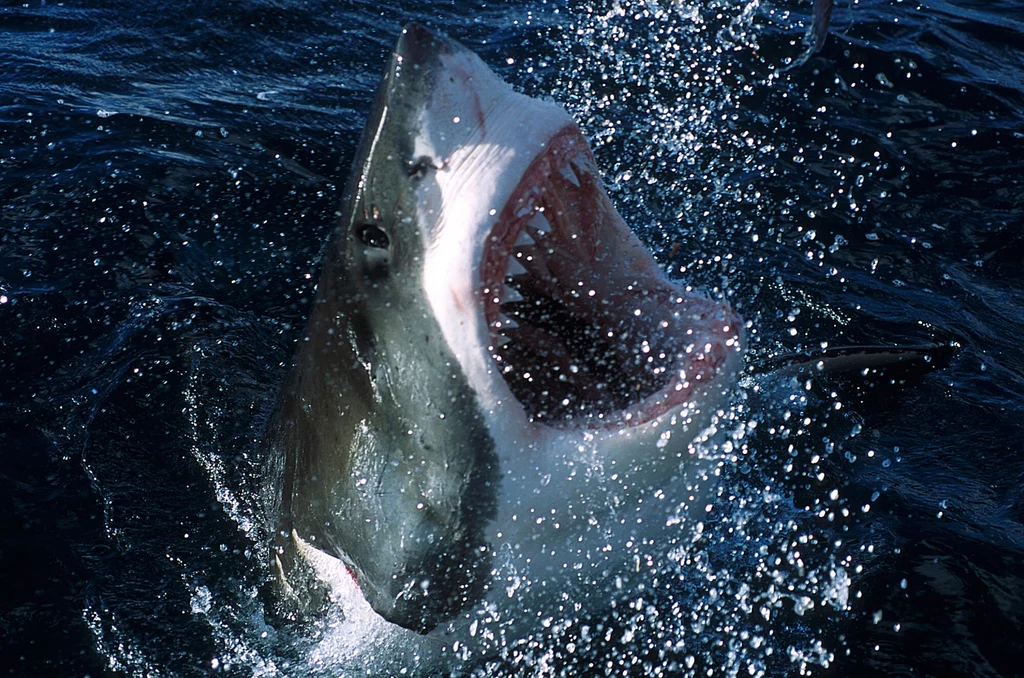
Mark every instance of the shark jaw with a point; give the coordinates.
(559, 316)
(585, 329)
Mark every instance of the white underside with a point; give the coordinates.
(556, 482)
(483, 137)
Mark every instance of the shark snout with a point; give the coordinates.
(418, 44)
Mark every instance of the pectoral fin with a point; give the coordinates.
(863, 360)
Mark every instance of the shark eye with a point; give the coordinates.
(373, 236)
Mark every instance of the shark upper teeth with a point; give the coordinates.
(539, 223)
(514, 268)
(510, 295)
(504, 322)
(570, 175)
(580, 165)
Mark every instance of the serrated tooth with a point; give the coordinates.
(525, 239)
(514, 267)
(504, 322)
(503, 340)
(510, 295)
(539, 222)
(570, 175)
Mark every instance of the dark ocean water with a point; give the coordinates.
(168, 173)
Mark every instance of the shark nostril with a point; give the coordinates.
(419, 167)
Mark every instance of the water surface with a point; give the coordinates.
(168, 176)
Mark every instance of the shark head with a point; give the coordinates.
(486, 321)
(561, 320)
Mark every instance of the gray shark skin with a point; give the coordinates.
(388, 464)
(494, 364)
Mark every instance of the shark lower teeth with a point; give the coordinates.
(524, 239)
(539, 223)
(570, 175)
(510, 295)
(514, 268)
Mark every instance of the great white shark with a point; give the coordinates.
(495, 369)
(492, 362)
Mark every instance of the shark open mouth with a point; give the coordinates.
(584, 327)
